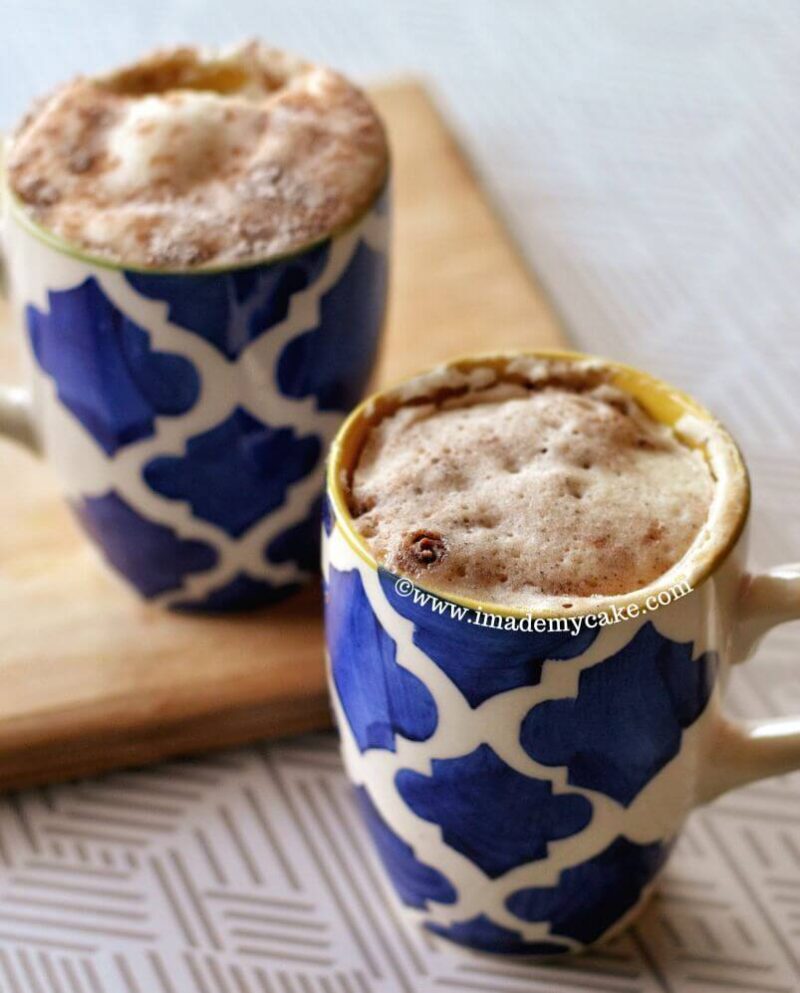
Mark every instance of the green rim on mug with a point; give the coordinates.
(64, 247)
(727, 516)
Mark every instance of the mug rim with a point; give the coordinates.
(68, 248)
(663, 402)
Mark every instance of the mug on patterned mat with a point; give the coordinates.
(523, 790)
(188, 413)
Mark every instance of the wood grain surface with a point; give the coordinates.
(90, 678)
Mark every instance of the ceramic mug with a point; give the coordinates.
(187, 413)
(523, 788)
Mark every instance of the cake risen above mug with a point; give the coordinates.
(190, 158)
(559, 486)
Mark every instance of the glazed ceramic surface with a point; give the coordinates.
(524, 789)
(188, 414)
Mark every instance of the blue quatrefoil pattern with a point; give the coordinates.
(232, 311)
(593, 894)
(626, 722)
(498, 772)
(198, 408)
(416, 883)
(235, 473)
(380, 697)
(496, 816)
(104, 367)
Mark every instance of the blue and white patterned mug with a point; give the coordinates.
(523, 789)
(188, 413)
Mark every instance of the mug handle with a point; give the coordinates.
(16, 418)
(16, 407)
(742, 752)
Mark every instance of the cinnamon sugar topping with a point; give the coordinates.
(190, 158)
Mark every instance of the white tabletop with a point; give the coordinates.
(645, 156)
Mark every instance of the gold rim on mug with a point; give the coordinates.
(667, 405)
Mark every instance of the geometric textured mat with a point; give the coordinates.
(249, 872)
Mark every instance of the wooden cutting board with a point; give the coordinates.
(90, 678)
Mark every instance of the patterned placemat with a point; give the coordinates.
(249, 872)
(645, 155)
